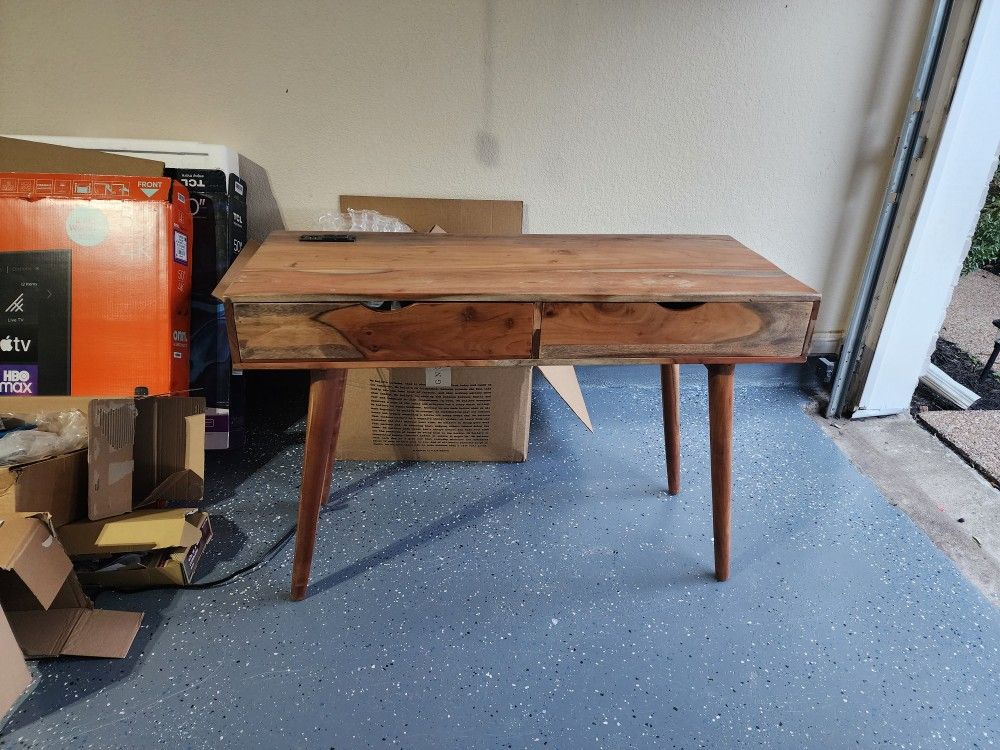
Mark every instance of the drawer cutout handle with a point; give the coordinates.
(680, 305)
(382, 305)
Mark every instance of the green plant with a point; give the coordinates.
(986, 239)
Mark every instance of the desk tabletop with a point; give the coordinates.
(537, 268)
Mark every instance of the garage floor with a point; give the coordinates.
(567, 602)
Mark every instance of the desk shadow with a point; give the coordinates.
(410, 542)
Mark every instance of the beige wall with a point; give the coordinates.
(772, 121)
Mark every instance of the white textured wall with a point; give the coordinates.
(773, 121)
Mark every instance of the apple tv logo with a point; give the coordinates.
(14, 344)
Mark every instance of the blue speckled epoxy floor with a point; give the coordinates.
(567, 602)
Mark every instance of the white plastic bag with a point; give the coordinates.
(360, 221)
(53, 433)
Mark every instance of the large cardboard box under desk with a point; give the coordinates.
(140, 451)
(444, 414)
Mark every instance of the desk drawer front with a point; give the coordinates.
(349, 331)
(622, 329)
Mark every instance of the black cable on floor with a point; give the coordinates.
(264, 559)
(261, 561)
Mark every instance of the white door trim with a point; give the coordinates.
(965, 161)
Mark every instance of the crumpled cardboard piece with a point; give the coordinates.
(45, 604)
(139, 549)
(139, 531)
(563, 379)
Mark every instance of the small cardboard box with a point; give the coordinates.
(140, 549)
(16, 677)
(445, 414)
(139, 451)
(47, 609)
(219, 210)
(55, 485)
(125, 241)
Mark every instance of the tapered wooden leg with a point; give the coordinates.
(331, 461)
(720, 431)
(670, 385)
(326, 403)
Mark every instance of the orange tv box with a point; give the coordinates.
(95, 284)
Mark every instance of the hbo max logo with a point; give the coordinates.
(16, 382)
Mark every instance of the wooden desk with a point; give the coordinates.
(522, 300)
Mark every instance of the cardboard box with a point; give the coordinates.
(129, 233)
(445, 414)
(450, 414)
(166, 153)
(138, 550)
(16, 677)
(129, 242)
(502, 218)
(56, 485)
(139, 451)
(47, 609)
(17, 155)
(219, 210)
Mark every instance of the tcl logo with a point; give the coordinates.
(193, 182)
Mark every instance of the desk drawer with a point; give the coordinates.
(650, 329)
(349, 331)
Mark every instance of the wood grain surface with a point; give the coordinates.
(326, 405)
(670, 388)
(421, 331)
(720, 440)
(533, 268)
(743, 329)
(348, 364)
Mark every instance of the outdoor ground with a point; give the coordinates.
(566, 602)
(973, 308)
(964, 345)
